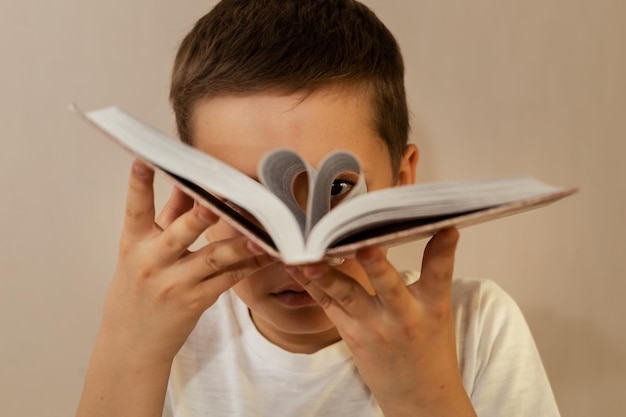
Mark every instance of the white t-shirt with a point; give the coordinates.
(227, 368)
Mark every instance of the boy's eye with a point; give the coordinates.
(339, 189)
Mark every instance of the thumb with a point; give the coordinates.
(438, 264)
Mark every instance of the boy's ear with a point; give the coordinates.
(408, 164)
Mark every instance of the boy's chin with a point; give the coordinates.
(302, 331)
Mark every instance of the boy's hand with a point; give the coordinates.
(402, 338)
(157, 296)
(160, 289)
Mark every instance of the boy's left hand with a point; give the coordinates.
(402, 338)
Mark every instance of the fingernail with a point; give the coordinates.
(335, 261)
(254, 248)
(313, 271)
(368, 256)
(140, 169)
(291, 269)
(449, 236)
(205, 214)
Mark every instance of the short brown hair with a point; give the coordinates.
(247, 46)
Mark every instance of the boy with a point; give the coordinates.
(227, 330)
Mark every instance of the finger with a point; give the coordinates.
(323, 299)
(221, 256)
(438, 263)
(389, 286)
(213, 286)
(184, 231)
(139, 216)
(178, 204)
(331, 288)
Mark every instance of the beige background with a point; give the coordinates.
(496, 88)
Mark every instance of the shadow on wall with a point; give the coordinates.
(588, 357)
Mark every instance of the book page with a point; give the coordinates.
(279, 169)
(182, 161)
(331, 167)
(419, 204)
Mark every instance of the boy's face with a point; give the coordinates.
(239, 130)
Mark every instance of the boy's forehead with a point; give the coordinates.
(243, 128)
(243, 157)
(286, 111)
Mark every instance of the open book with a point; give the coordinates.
(269, 213)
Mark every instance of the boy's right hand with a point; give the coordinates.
(157, 296)
(160, 289)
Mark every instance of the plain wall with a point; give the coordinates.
(496, 88)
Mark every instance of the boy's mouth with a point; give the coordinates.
(294, 298)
